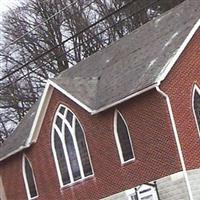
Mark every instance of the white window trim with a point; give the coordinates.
(117, 138)
(62, 138)
(25, 178)
(130, 193)
(140, 194)
(195, 89)
(151, 191)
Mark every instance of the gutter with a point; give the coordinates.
(178, 144)
(93, 112)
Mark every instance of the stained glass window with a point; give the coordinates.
(70, 147)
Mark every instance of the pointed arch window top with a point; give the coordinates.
(196, 106)
(29, 179)
(69, 148)
(122, 137)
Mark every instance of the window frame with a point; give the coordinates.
(141, 192)
(145, 191)
(62, 138)
(195, 89)
(116, 112)
(25, 178)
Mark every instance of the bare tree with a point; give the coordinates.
(68, 31)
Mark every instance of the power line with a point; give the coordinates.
(38, 27)
(48, 19)
(64, 41)
(80, 44)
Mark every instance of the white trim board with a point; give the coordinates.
(56, 86)
(14, 152)
(44, 102)
(180, 50)
(177, 140)
(124, 99)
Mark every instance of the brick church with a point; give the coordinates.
(123, 124)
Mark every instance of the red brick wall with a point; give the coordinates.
(12, 178)
(153, 143)
(179, 86)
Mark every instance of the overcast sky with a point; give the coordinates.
(6, 4)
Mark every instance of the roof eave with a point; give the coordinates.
(180, 50)
(125, 99)
(70, 96)
(15, 151)
(40, 114)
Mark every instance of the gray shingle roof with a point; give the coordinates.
(20, 135)
(132, 63)
(129, 65)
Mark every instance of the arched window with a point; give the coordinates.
(122, 138)
(69, 147)
(196, 106)
(29, 179)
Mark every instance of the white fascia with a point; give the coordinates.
(124, 99)
(40, 114)
(178, 144)
(14, 152)
(179, 52)
(70, 96)
(36, 123)
(43, 106)
(93, 112)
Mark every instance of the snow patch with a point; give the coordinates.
(161, 18)
(171, 39)
(33, 113)
(152, 62)
(165, 68)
